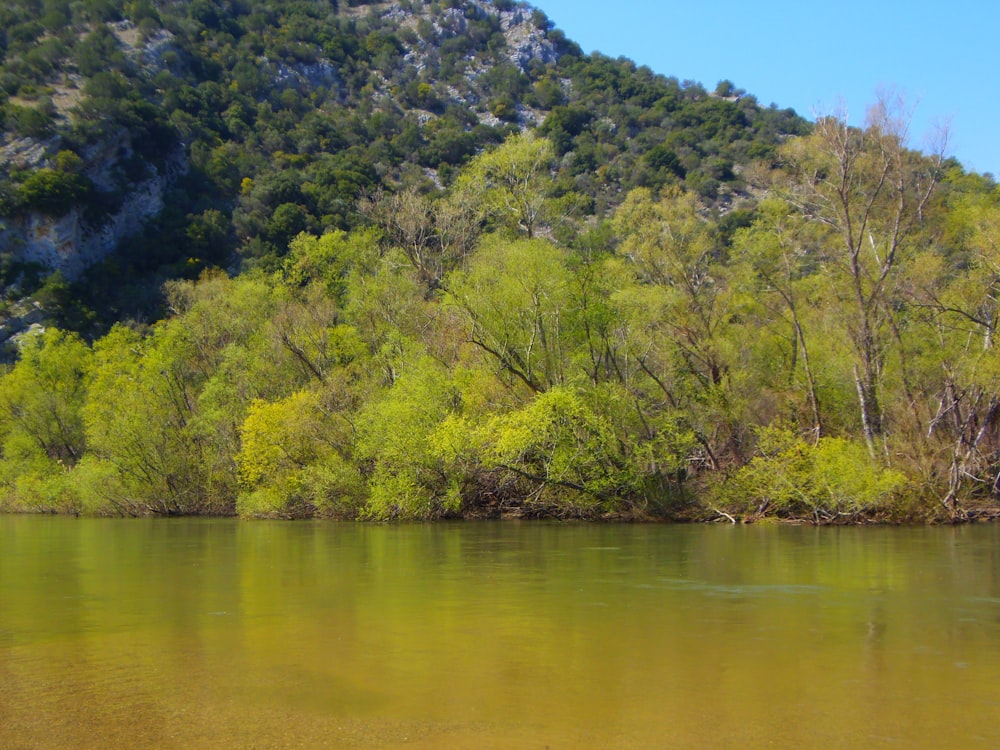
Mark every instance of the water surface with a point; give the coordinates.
(226, 634)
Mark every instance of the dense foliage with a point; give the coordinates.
(474, 272)
(834, 359)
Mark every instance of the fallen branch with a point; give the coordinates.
(725, 515)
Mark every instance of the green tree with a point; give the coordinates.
(42, 395)
(142, 399)
(515, 299)
(508, 184)
(830, 479)
(872, 191)
(779, 253)
(560, 450)
(293, 459)
(52, 192)
(686, 323)
(959, 366)
(395, 437)
(41, 425)
(225, 358)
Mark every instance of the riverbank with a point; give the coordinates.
(914, 513)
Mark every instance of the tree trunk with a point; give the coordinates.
(870, 415)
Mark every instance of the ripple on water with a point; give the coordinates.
(740, 590)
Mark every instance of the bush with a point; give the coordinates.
(33, 122)
(52, 192)
(792, 478)
(46, 491)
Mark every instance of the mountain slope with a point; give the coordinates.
(147, 141)
(462, 269)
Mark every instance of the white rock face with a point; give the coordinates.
(68, 244)
(525, 43)
(23, 153)
(52, 242)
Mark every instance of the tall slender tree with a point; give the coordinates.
(872, 191)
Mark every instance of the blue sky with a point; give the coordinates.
(812, 56)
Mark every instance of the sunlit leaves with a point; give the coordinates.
(830, 479)
(507, 184)
(394, 440)
(41, 426)
(515, 298)
(291, 460)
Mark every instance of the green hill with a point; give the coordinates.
(424, 260)
(147, 141)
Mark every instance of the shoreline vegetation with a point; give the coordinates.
(482, 353)
(915, 514)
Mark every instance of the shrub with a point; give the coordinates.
(833, 478)
(52, 192)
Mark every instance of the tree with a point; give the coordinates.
(435, 235)
(52, 192)
(960, 301)
(679, 309)
(138, 416)
(514, 298)
(670, 247)
(508, 184)
(407, 476)
(225, 358)
(293, 459)
(41, 425)
(557, 444)
(41, 396)
(872, 191)
(828, 479)
(778, 253)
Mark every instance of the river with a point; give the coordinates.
(194, 633)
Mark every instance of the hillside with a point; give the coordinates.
(147, 141)
(427, 260)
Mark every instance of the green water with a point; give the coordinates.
(226, 634)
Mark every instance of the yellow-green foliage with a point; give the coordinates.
(507, 184)
(140, 405)
(48, 488)
(327, 259)
(793, 477)
(41, 429)
(394, 437)
(101, 490)
(515, 297)
(563, 450)
(289, 461)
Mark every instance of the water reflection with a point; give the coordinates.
(217, 633)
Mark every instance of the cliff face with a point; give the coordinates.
(69, 243)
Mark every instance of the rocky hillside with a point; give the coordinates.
(149, 140)
(448, 265)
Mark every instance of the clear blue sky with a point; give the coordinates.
(813, 56)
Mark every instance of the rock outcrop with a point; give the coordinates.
(69, 243)
(73, 241)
